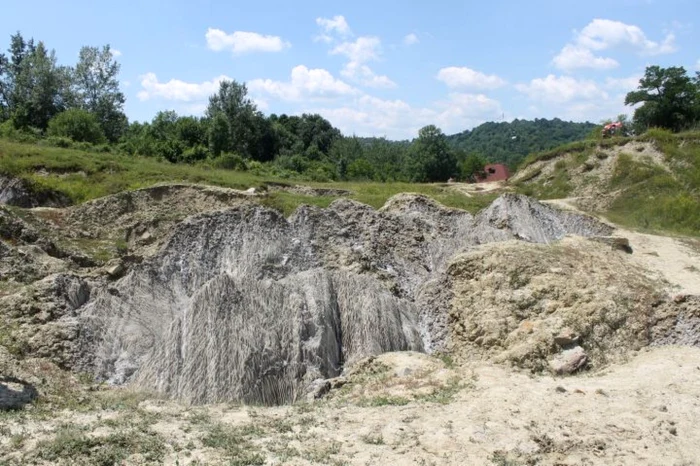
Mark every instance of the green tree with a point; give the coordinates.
(471, 167)
(97, 86)
(669, 97)
(433, 160)
(76, 124)
(240, 114)
(33, 87)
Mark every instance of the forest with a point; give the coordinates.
(82, 107)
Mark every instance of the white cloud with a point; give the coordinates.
(411, 39)
(304, 84)
(574, 56)
(336, 24)
(116, 53)
(605, 34)
(361, 50)
(240, 42)
(176, 89)
(396, 119)
(467, 78)
(364, 75)
(578, 99)
(697, 65)
(623, 84)
(561, 89)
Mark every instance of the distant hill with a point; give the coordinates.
(510, 143)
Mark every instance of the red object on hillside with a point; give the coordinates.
(495, 172)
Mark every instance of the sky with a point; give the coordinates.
(376, 68)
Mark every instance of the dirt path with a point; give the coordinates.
(471, 189)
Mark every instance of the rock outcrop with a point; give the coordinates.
(242, 304)
(246, 305)
(17, 192)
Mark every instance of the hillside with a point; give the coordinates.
(651, 182)
(511, 142)
(159, 313)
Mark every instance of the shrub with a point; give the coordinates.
(27, 135)
(660, 135)
(58, 141)
(78, 125)
(230, 162)
(194, 154)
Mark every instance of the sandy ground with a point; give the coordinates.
(645, 412)
(674, 260)
(471, 189)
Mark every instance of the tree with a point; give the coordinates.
(32, 87)
(669, 97)
(472, 167)
(232, 105)
(97, 86)
(78, 125)
(433, 160)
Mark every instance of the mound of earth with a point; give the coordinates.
(539, 306)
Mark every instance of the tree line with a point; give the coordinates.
(82, 106)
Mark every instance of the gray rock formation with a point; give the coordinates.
(245, 305)
(17, 192)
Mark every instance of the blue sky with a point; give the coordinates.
(382, 68)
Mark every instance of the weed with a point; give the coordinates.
(385, 400)
(235, 443)
(71, 443)
(373, 439)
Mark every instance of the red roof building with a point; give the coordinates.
(495, 172)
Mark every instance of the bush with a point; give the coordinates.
(230, 162)
(194, 154)
(58, 141)
(28, 135)
(660, 135)
(78, 125)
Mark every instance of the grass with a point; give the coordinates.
(657, 200)
(73, 443)
(83, 176)
(650, 197)
(557, 187)
(236, 444)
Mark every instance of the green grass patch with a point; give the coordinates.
(71, 445)
(86, 175)
(385, 400)
(235, 443)
(653, 199)
(557, 186)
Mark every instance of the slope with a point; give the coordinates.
(651, 182)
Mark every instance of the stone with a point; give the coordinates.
(566, 337)
(116, 271)
(569, 361)
(317, 389)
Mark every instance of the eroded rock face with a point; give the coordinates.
(246, 305)
(16, 192)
